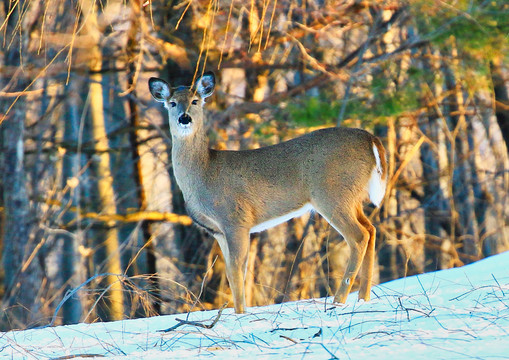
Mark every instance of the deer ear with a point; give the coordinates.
(205, 85)
(159, 89)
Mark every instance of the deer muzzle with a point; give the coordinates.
(185, 120)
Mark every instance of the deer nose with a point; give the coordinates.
(185, 119)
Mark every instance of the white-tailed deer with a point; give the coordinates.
(234, 193)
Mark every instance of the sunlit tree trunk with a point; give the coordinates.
(490, 186)
(101, 146)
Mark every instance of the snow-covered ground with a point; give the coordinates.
(453, 314)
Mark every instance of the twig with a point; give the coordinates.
(425, 294)
(69, 294)
(404, 308)
(78, 356)
(196, 323)
(330, 353)
(288, 338)
(426, 314)
(500, 287)
(466, 293)
(201, 288)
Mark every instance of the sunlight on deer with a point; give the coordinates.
(234, 193)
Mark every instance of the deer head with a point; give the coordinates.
(184, 104)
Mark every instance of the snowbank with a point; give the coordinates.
(451, 314)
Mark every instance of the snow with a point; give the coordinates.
(459, 313)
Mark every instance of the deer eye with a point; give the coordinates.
(194, 102)
(173, 103)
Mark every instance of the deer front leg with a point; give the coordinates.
(235, 248)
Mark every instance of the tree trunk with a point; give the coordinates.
(501, 99)
(105, 182)
(388, 253)
(21, 263)
(73, 264)
(21, 307)
(462, 193)
(134, 48)
(433, 197)
(436, 211)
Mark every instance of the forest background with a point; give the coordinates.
(93, 226)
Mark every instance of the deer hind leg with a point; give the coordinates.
(235, 248)
(357, 238)
(366, 271)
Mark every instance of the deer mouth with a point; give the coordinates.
(185, 120)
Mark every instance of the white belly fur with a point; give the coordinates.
(281, 219)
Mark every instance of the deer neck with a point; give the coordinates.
(190, 158)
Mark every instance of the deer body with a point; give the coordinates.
(234, 193)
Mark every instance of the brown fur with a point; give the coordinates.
(230, 192)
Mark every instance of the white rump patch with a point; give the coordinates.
(281, 219)
(376, 185)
